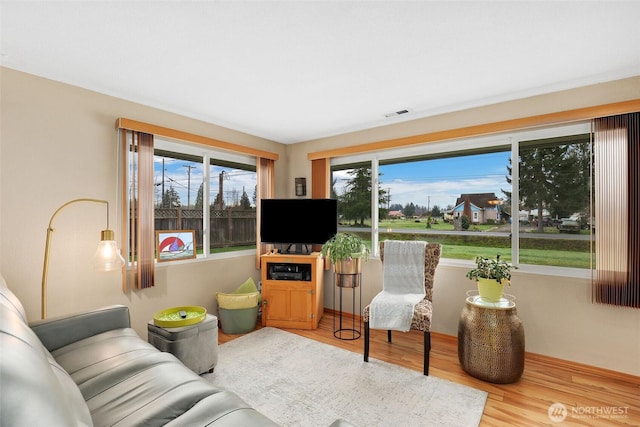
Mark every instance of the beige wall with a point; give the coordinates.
(58, 143)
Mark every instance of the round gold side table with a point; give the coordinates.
(491, 340)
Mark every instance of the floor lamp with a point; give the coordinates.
(107, 257)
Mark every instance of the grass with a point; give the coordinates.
(546, 256)
(420, 224)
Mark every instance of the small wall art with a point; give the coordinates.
(173, 245)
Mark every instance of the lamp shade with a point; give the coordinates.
(107, 257)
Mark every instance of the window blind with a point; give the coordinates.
(616, 278)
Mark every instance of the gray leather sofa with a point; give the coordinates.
(92, 369)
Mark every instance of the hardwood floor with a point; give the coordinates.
(601, 397)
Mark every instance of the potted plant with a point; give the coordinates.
(346, 251)
(491, 275)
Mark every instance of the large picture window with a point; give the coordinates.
(470, 196)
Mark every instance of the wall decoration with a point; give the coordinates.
(172, 245)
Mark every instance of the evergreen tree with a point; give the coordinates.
(555, 178)
(245, 203)
(200, 196)
(171, 198)
(355, 204)
(409, 210)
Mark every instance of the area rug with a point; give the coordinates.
(300, 382)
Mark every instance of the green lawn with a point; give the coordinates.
(546, 256)
(527, 256)
(410, 224)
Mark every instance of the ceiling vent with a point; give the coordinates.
(396, 113)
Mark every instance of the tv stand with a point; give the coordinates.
(292, 290)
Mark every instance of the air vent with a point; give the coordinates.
(396, 113)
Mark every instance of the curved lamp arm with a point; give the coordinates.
(110, 258)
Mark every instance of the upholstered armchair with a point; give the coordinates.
(422, 312)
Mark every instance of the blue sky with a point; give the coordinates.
(425, 183)
(441, 181)
(177, 175)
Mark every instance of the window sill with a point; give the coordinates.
(211, 257)
(539, 270)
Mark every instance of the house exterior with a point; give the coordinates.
(482, 207)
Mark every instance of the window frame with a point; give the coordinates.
(207, 154)
(467, 145)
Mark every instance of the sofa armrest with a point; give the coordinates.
(59, 331)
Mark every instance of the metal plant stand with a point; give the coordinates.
(347, 329)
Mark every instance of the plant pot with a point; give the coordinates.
(490, 289)
(352, 266)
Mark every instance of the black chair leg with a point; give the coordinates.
(427, 349)
(366, 341)
(389, 335)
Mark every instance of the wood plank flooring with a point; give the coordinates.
(595, 393)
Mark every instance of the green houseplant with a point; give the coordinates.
(346, 251)
(491, 275)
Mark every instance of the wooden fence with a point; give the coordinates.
(227, 227)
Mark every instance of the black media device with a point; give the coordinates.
(298, 223)
(300, 272)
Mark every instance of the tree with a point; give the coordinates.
(464, 222)
(200, 196)
(409, 210)
(435, 211)
(171, 198)
(245, 203)
(355, 204)
(555, 178)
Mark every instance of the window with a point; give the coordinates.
(178, 182)
(554, 217)
(232, 206)
(140, 147)
(469, 195)
(225, 206)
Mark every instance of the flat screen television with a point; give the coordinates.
(298, 223)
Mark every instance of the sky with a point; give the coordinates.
(441, 181)
(185, 177)
(424, 183)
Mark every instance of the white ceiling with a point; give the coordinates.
(294, 71)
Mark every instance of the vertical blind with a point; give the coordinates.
(137, 190)
(266, 188)
(616, 145)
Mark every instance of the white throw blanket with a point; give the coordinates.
(402, 285)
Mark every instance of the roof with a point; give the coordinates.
(480, 200)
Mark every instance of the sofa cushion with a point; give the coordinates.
(126, 381)
(33, 387)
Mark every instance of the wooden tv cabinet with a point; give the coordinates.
(292, 290)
